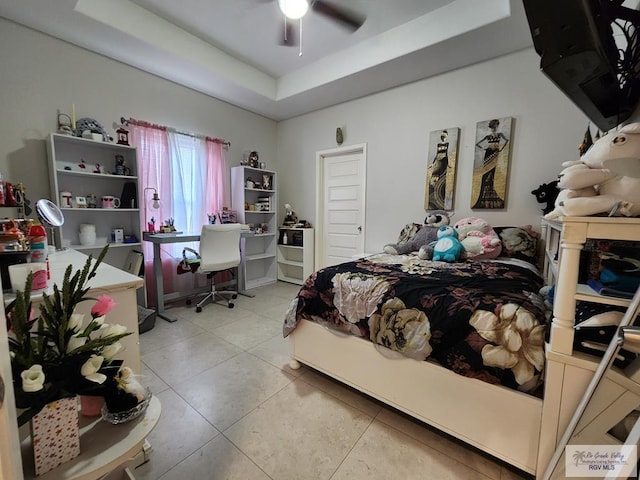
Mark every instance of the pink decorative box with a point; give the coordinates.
(55, 434)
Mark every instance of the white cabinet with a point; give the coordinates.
(256, 206)
(295, 257)
(84, 167)
(568, 372)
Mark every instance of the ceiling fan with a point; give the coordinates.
(297, 9)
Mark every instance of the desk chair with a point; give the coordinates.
(219, 250)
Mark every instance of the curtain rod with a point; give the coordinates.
(128, 121)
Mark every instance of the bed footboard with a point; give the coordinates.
(502, 422)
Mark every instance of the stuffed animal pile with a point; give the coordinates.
(479, 239)
(590, 187)
(426, 235)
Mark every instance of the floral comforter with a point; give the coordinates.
(481, 319)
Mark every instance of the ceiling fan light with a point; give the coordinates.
(293, 9)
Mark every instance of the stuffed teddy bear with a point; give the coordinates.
(447, 248)
(479, 239)
(589, 185)
(427, 234)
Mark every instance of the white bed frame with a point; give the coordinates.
(515, 427)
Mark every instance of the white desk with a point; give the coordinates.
(109, 280)
(157, 239)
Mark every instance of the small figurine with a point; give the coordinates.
(290, 216)
(121, 168)
(253, 159)
(82, 164)
(64, 124)
(123, 136)
(97, 168)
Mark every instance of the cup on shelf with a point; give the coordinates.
(18, 275)
(65, 200)
(109, 201)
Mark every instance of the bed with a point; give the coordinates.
(474, 329)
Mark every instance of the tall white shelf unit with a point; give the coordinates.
(567, 371)
(259, 250)
(65, 154)
(295, 258)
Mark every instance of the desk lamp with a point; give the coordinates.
(153, 204)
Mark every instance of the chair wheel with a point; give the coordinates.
(188, 301)
(234, 296)
(198, 309)
(231, 305)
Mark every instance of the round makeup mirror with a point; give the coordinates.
(53, 218)
(49, 213)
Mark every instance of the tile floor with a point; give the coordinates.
(233, 409)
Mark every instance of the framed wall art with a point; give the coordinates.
(491, 163)
(441, 169)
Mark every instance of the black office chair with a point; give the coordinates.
(219, 251)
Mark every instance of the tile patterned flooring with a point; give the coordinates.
(233, 409)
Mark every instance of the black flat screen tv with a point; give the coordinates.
(578, 53)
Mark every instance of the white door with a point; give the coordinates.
(10, 461)
(341, 204)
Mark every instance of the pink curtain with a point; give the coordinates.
(154, 173)
(160, 167)
(217, 177)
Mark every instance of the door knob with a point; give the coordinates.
(359, 229)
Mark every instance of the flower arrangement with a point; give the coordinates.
(53, 356)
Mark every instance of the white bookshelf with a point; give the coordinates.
(66, 153)
(256, 206)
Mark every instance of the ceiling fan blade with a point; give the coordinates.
(289, 33)
(347, 18)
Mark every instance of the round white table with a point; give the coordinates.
(103, 447)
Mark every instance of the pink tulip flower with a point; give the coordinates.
(103, 305)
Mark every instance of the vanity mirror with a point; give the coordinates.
(51, 216)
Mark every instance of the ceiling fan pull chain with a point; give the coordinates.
(300, 52)
(285, 30)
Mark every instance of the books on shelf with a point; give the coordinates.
(603, 289)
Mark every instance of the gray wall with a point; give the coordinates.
(395, 125)
(40, 75)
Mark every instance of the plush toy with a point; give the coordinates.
(479, 239)
(447, 248)
(427, 234)
(590, 187)
(547, 193)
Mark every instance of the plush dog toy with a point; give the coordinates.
(427, 234)
(479, 239)
(447, 248)
(590, 187)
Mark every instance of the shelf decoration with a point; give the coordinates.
(55, 434)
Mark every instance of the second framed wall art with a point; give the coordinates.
(441, 169)
(491, 163)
